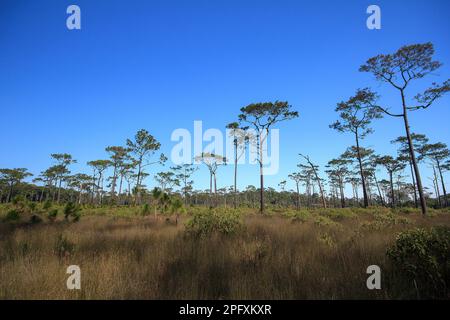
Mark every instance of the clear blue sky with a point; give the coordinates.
(160, 65)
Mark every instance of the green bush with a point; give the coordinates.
(300, 216)
(12, 215)
(31, 206)
(385, 220)
(145, 209)
(337, 214)
(19, 201)
(52, 214)
(47, 205)
(323, 221)
(204, 223)
(422, 258)
(71, 210)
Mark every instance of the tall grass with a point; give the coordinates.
(322, 255)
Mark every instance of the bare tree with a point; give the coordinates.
(314, 169)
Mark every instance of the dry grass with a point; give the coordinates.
(274, 257)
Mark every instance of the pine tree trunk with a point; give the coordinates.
(442, 182)
(261, 174)
(363, 180)
(392, 189)
(416, 203)
(423, 203)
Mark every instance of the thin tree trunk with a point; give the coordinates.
(120, 190)
(416, 203)
(235, 173)
(363, 180)
(341, 189)
(423, 203)
(438, 193)
(379, 190)
(59, 190)
(442, 182)
(392, 189)
(11, 186)
(261, 175)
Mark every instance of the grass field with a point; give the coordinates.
(286, 254)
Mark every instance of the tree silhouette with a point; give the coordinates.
(262, 116)
(314, 169)
(356, 114)
(143, 147)
(241, 138)
(183, 174)
(212, 162)
(297, 177)
(419, 140)
(409, 63)
(63, 161)
(438, 153)
(338, 171)
(167, 180)
(98, 166)
(117, 155)
(12, 177)
(392, 165)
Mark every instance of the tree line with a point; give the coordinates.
(357, 166)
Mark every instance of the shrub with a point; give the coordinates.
(52, 214)
(298, 216)
(323, 221)
(204, 223)
(385, 220)
(338, 214)
(35, 219)
(19, 201)
(422, 258)
(31, 206)
(73, 211)
(145, 209)
(47, 205)
(12, 215)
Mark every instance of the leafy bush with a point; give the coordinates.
(31, 206)
(12, 215)
(52, 214)
(145, 209)
(204, 223)
(73, 211)
(47, 205)
(323, 221)
(338, 214)
(19, 201)
(422, 258)
(298, 216)
(385, 220)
